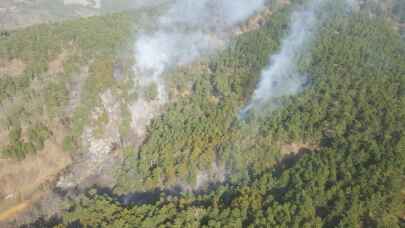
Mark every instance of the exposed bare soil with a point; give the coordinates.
(255, 22)
(296, 148)
(56, 65)
(20, 181)
(14, 67)
(3, 137)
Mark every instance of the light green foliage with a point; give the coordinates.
(69, 144)
(57, 96)
(151, 92)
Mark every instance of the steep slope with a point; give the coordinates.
(353, 109)
(333, 155)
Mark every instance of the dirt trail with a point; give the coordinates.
(14, 211)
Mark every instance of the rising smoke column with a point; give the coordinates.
(282, 77)
(186, 31)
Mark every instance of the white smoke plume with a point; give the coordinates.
(282, 77)
(186, 31)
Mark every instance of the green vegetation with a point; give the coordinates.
(151, 92)
(349, 123)
(20, 148)
(353, 110)
(40, 94)
(195, 132)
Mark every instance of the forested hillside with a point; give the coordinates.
(350, 119)
(51, 78)
(332, 155)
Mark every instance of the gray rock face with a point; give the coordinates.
(98, 142)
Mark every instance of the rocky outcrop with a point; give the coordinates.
(96, 161)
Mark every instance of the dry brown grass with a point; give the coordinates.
(3, 138)
(21, 181)
(25, 176)
(291, 152)
(295, 148)
(56, 66)
(12, 68)
(255, 22)
(213, 100)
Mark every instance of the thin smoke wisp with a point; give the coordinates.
(282, 77)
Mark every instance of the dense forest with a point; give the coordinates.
(331, 156)
(351, 115)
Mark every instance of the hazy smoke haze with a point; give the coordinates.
(186, 31)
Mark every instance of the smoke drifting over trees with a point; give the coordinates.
(187, 30)
(181, 156)
(283, 76)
